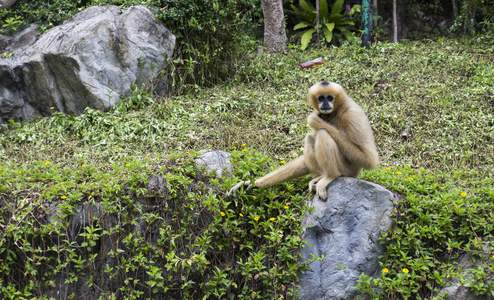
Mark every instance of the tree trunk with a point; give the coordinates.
(318, 25)
(394, 38)
(274, 26)
(4, 4)
(455, 8)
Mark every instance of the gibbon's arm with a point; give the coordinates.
(291, 170)
(357, 144)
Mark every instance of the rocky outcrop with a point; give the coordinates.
(345, 230)
(89, 61)
(4, 4)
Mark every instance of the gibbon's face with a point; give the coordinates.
(325, 103)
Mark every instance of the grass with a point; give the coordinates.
(443, 90)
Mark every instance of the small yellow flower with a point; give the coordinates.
(83, 165)
(244, 150)
(272, 219)
(388, 168)
(147, 157)
(442, 189)
(19, 172)
(385, 270)
(64, 197)
(47, 163)
(283, 162)
(463, 194)
(127, 165)
(88, 237)
(399, 173)
(116, 148)
(286, 207)
(94, 218)
(135, 123)
(492, 257)
(483, 61)
(256, 218)
(222, 214)
(405, 270)
(233, 148)
(187, 152)
(240, 214)
(243, 145)
(410, 178)
(52, 107)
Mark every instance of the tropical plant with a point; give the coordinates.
(334, 23)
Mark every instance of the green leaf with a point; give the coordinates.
(337, 7)
(328, 34)
(323, 9)
(330, 26)
(301, 25)
(307, 7)
(347, 33)
(306, 37)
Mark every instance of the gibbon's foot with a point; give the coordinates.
(237, 186)
(313, 182)
(321, 187)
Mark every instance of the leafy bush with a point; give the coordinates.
(333, 23)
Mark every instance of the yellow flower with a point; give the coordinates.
(240, 214)
(83, 165)
(244, 150)
(116, 148)
(463, 194)
(127, 165)
(222, 214)
(147, 157)
(233, 148)
(47, 163)
(286, 207)
(442, 189)
(388, 168)
(410, 178)
(405, 270)
(52, 107)
(243, 145)
(399, 173)
(385, 270)
(283, 162)
(256, 218)
(64, 197)
(187, 152)
(272, 219)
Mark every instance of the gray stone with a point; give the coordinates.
(219, 161)
(89, 61)
(346, 230)
(455, 290)
(4, 4)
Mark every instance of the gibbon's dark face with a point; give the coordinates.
(325, 102)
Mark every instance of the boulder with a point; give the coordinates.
(4, 4)
(345, 230)
(89, 61)
(218, 161)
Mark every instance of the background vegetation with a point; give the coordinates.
(193, 241)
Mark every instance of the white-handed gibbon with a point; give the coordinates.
(341, 142)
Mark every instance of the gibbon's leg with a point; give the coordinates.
(290, 170)
(331, 161)
(310, 160)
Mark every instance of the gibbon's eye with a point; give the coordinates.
(322, 98)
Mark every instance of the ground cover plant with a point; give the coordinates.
(193, 241)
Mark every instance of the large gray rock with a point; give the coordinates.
(90, 60)
(346, 230)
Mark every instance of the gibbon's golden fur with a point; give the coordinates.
(341, 142)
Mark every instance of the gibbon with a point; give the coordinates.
(341, 143)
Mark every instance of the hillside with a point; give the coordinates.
(197, 242)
